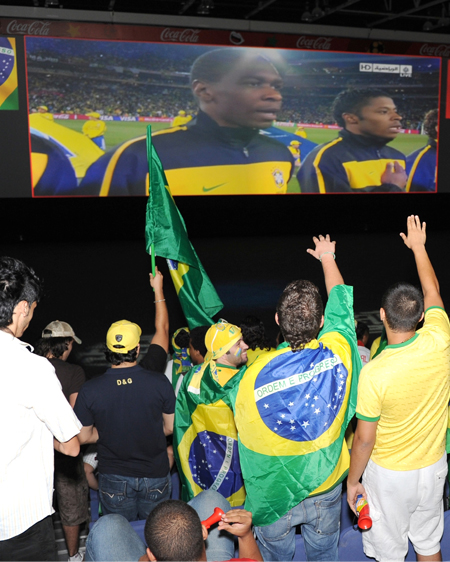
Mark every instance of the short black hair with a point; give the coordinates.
(173, 531)
(300, 310)
(430, 123)
(361, 330)
(52, 346)
(198, 339)
(352, 101)
(403, 305)
(214, 65)
(254, 333)
(182, 338)
(18, 283)
(119, 358)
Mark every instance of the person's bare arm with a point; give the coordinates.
(324, 251)
(161, 336)
(70, 448)
(362, 448)
(88, 434)
(238, 522)
(73, 399)
(90, 476)
(168, 423)
(415, 240)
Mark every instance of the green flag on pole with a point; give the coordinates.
(166, 236)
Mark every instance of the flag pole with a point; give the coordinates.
(149, 159)
(152, 249)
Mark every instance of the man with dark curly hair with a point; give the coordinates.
(292, 409)
(254, 335)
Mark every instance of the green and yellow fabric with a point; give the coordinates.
(205, 436)
(291, 412)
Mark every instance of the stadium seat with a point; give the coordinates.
(351, 548)
(445, 542)
(95, 503)
(176, 486)
(139, 526)
(347, 516)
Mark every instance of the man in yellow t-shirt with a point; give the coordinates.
(402, 412)
(181, 119)
(43, 112)
(95, 129)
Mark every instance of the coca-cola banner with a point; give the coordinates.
(447, 105)
(217, 37)
(225, 120)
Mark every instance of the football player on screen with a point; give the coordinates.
(221, 150)
(359, 160)
(421, 164)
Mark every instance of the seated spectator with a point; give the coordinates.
(362, 334)
(70, 483)
(254, 335)
(174, 531)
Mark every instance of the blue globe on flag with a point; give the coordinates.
(6, 59)
(214, 463)
(8, 74)
(301, 400)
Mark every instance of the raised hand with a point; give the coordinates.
(416, 232)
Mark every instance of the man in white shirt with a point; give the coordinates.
(35, 417)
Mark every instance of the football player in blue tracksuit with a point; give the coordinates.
(221, 151)
(421, 164)
(359, 160)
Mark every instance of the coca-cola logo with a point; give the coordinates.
(319, 43)
(435, 50)
(236, 38)
(32, 28)
(180, 35)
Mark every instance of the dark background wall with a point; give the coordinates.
(91, 252)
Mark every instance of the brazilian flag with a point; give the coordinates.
(205, 438)
(166, 232)
(291, 413)
(9, 95)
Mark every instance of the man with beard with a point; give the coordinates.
(205, 437)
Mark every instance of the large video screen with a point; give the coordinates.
(228, 120)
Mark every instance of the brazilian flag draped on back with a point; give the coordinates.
(291, 413)
(205, 437)
(165, 229)
(9, 96)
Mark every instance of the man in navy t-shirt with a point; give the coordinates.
(130, 410)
